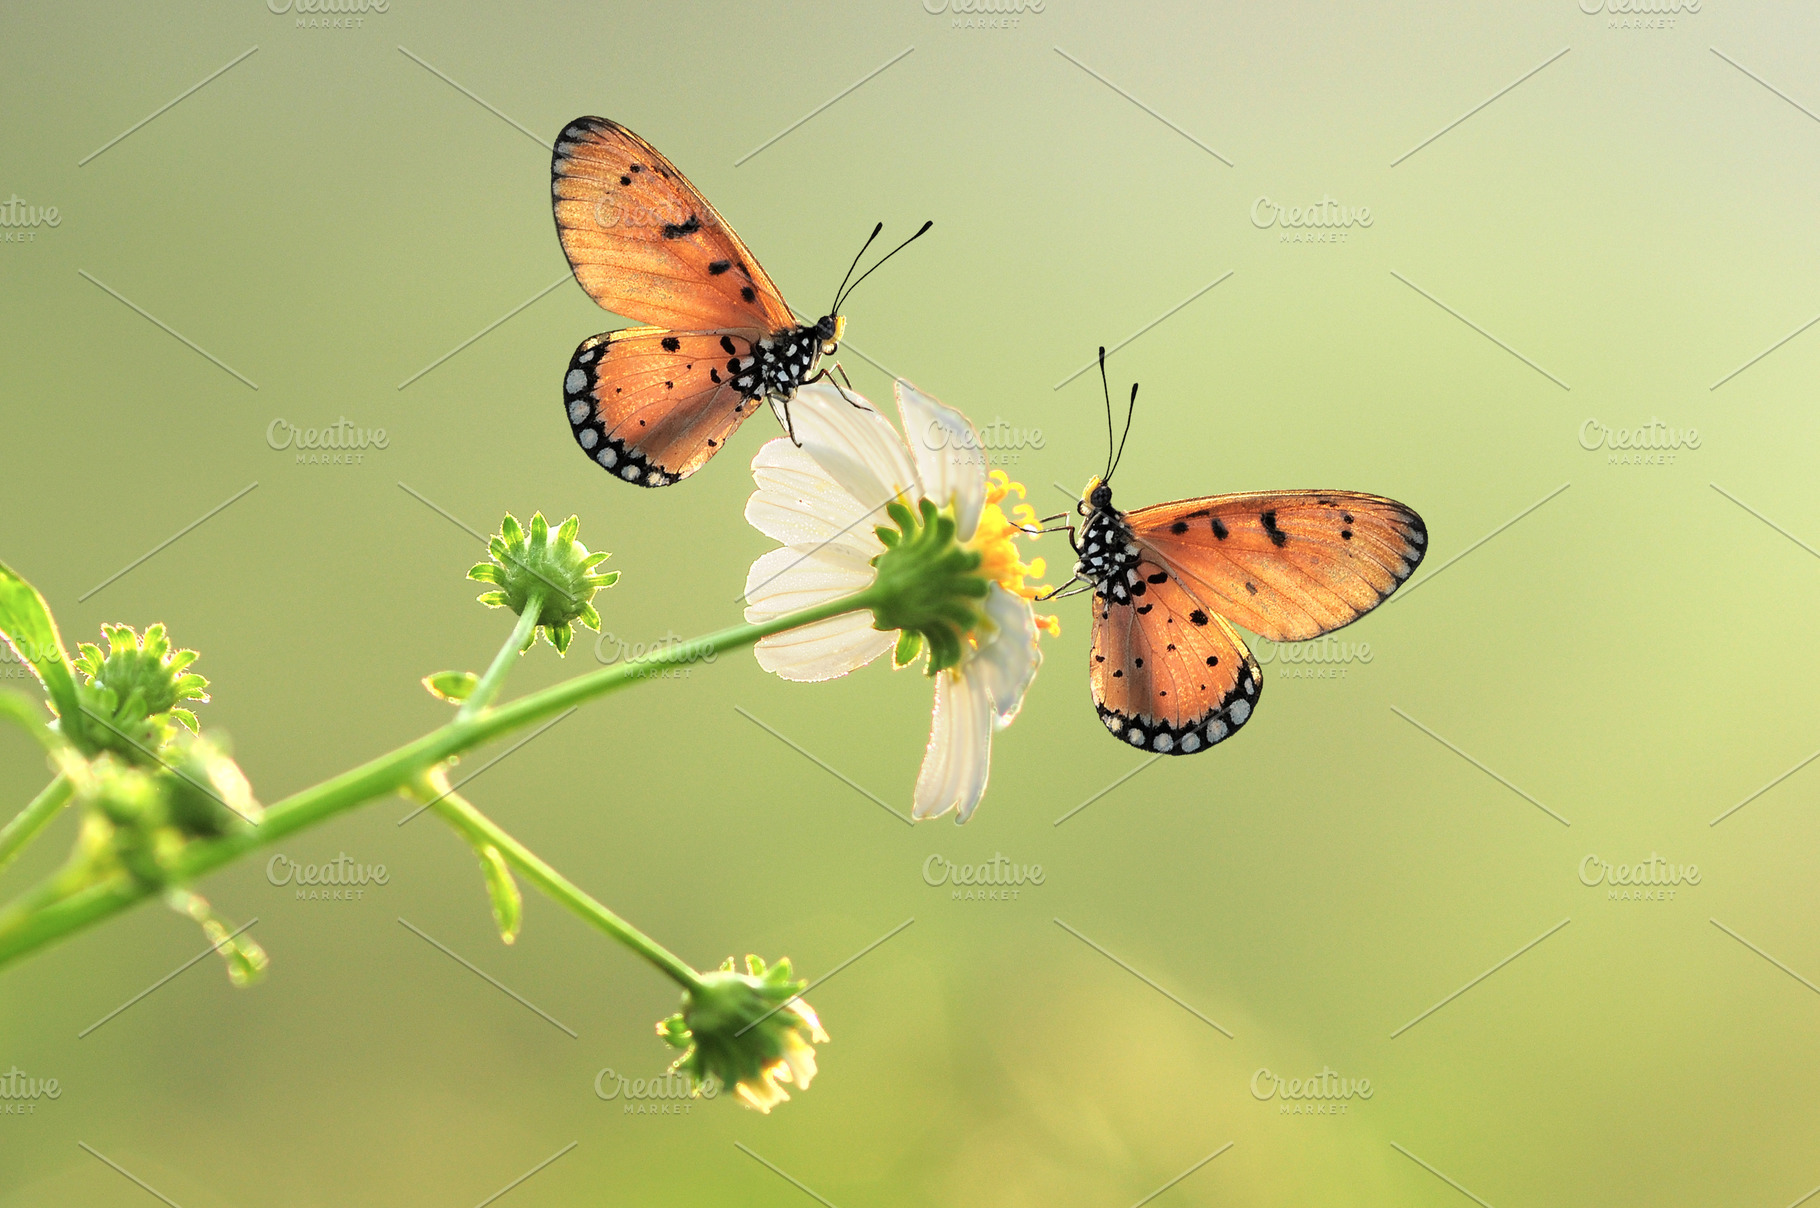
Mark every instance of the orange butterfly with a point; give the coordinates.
(1169, 672)
(651, 404)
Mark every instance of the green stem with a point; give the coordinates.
(34, 818)
(481, 830)
(495, 678)
(33, 922)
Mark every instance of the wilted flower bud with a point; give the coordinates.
(748, 1030)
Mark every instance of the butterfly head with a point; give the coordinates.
(828, 330)
(1097, 497)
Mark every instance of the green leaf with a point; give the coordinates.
(452, 686)
(508, 904)
(26, 624)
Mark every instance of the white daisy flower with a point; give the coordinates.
(954, 581)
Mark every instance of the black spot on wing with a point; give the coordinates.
(688, 226)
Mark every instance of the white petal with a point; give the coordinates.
(799, 503)
(959, 755)
(824, 650)
(789, 579)
(949, 460)
(856, 446)
(1007, 661)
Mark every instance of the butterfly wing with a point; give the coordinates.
(1168, 675)
(652, 405)
(1286, 565)
(646, 244)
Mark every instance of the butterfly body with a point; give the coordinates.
(785, 360)
(1106, 555)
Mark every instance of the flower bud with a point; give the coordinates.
(746, 1030)
(552, 568)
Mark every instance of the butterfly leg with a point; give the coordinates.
(843, 393)
(1065, 590)
(782, 408)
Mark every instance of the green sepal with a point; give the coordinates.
(452, 686)
(508, 903)
(928, 583)
(909, 645)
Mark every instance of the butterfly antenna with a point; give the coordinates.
(1107, 392)
(1130, 409)
(835, 309)
(920, 232)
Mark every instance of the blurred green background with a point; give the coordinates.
(329, 217)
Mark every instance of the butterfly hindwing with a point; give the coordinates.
(1167, 674)
(646, 244)
(1286, 565)
(651, 406)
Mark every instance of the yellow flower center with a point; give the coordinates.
(996, 541)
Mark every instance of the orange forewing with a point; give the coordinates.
(646, 244)
(1286, 565)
